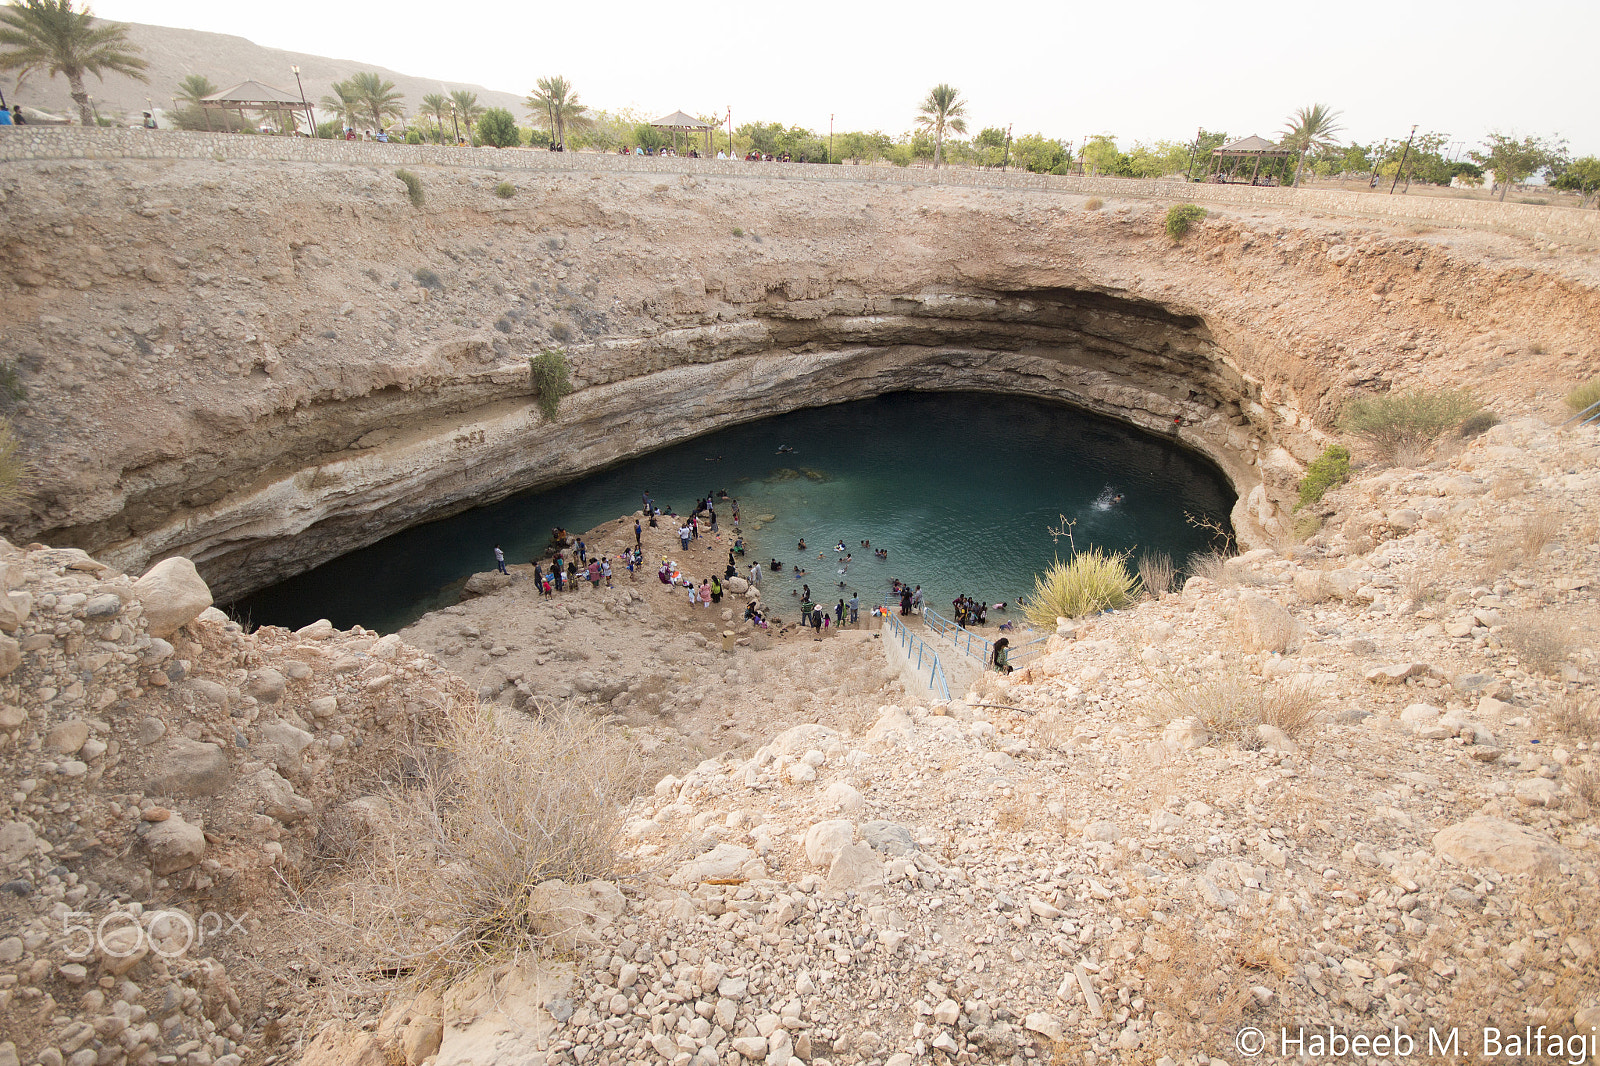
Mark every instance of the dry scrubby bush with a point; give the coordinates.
(1181, 218)
(505, 190)
(1584, 396)
(1575, 714)
(1231, 707)
(450, 859)
(1541, 641)
(1093, 203)
(1093, 581)
(1402, 424)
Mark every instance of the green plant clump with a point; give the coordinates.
(505, 190)
(738, 231)
(1584, 396)
(1093, 581)
(1330, 470)
(413, 186)
(1401, 420)
(551, 377)
(1181, 217)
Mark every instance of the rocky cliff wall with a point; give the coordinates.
(263, 365)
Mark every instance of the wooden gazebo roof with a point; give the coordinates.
(680, 121)
(253, 95)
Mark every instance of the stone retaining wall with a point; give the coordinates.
(76, 142)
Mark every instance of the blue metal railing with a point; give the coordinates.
(917, 653)
(1588, 414)
(977, 647)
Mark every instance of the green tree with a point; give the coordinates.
(194, 88)
(1037, 153)
(1580, 176)
(344, 102)
(1206, 142)
(1512, 160)
(942, 110)
(52, 36)
(191, 115)
(1101, 155)
(554, 105)
(467, 109)
(1158, 160)
(436, 104)
(1310, 129)
(498, 128)
(376, 96)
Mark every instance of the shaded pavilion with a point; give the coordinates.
(678, 122)
(255, 96)
(1267, 162)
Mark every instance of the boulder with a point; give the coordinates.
(173, 595)
(282, 743)
(843, 797)
(67, 737)
(174, 845)
(184, 767)
(722, 861)
(335, 1046)
(14, 610)
(1395, 674)
(889, 838)
(824, 839)
(120, 947)
(574, 915)
(422, 1038)
(278, 798)
(485, 583)
(10, 655)
(17, 842)
(321, 629)
(1264, 625)
(1185, 733)
(266, 685)
(854, 866)
(1502, 845)
(1274, 739)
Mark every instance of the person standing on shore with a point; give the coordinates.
(500, 560)
(638, 533)
(755, 574)
(855, 607)
(683, 537)
(916, 599)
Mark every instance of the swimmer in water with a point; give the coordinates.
(784, 449)
(1117, 498)
(802, 545)
(839, 547)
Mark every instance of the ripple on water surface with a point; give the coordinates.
(961, 488)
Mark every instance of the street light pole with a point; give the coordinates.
(730, 131)
(455, 125)
(830, 136)
(1005, 162)
(311, 121)
(1403, 156)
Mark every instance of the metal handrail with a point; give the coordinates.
(1588, 414)
(964, 640)
(936, 679)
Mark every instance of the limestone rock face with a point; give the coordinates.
(1264, 625)
(485, 583)
(1503, 845)
(574, 915)
(173, 595)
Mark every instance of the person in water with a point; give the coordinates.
(1001, 654)
(802, 545)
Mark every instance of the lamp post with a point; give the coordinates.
(96, 109)
(1005, 161)
(830, 137)
(1403, 156)
(454, 124)
(311, 121)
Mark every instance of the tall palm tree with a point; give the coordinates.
(378, 97)
(50, 35)
(436, 104)
(942, 110)
(555, 106)
(467, 108)
(344, 103)
(1311, 128)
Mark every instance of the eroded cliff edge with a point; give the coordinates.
(264, 365)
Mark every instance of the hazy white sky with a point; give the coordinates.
(1153, 70)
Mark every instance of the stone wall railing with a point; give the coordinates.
(20, 143)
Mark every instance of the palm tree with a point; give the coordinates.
(49, 35)
(436, 104)
(943, 109)
(344, 103)
(467, 108)
(193, 89)
(1311, 128)
(378, 97)
(554, 105)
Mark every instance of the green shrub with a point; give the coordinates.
(1411, 419)
(1180, 217)
(13, 471)
(561, 332)
(1330, 470)
(499, 128)
(413, 137)
(413, 186)
(12, 390)
(1584, 396)
(738, 231)
(505, 190)
(1093, 581)
(550, 374)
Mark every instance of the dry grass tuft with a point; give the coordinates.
(1230, 707)
(1156, 573)
(1538, 530)
(1541, 641)
(1192, 978)
(1574, 714)
(451, 857)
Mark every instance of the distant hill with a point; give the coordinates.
(174, 54)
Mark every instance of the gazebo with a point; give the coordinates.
(1227, 161)
(678, 123)
(254, 96)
